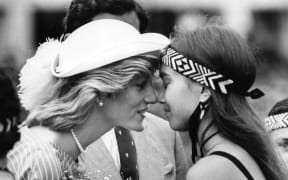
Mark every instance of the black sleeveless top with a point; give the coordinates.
(239, 165)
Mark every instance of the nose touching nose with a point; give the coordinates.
(156, 94)
(150, 97)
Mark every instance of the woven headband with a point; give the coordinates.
(200, 73)
(277, 121)
(195, 71)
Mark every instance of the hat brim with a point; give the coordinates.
(147, 42)
(103, 42)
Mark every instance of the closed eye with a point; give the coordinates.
(283, 143)
(165, 78)
(140, 82)
(142, 85)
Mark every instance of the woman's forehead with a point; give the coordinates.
(166, 70)
(280, 133)
(170, 73)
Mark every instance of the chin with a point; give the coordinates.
(177, 126)
(137, 128)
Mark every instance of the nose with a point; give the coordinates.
(150, 97)
(159, 89)
(161, 96)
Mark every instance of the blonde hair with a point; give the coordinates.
(74, 98)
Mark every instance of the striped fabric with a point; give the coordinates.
(32, 159)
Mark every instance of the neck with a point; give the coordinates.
(88, 132)
(215, 141)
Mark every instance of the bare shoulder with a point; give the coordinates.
(216, 168)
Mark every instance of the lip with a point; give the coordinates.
(142, 111)
(166, 108)
(167, 114)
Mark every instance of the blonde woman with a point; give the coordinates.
(98, 78)
(277, 125)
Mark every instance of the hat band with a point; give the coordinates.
(276, 121)
(196, 71)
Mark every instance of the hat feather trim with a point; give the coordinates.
(35, 77)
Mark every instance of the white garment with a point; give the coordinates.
(109, 139)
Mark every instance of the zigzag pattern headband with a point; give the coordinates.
(277, 121)
(195, 71)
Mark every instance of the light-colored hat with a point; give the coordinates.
(91, 46)
(102, 42)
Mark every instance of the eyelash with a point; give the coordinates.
(283, 145)
(142, 85)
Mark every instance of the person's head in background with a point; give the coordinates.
(83, 11)
(277, 124)
(9, 115)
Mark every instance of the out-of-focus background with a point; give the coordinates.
(26, 23)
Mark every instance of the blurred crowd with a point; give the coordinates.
(263, 34)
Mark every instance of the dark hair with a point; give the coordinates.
(83, 11)
(279, 107)
(223, 50)
(10, 110)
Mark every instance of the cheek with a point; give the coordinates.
(182, 102)
(286, 159)
(283, 154)
(173, 99)
(117, 111)
(184, 97)
(187, 107)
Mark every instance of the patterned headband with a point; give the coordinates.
(195, 71)
(202, 74)
(277, 121)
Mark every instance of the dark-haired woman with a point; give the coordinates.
(207, 75)
(277, 124)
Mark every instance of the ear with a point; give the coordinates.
(205, 95)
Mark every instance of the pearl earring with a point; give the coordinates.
(101, 104)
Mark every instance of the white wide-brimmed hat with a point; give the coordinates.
(91, 46)
(103, 42)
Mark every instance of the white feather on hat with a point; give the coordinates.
(35, 77)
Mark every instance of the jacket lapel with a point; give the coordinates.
(150, 160)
